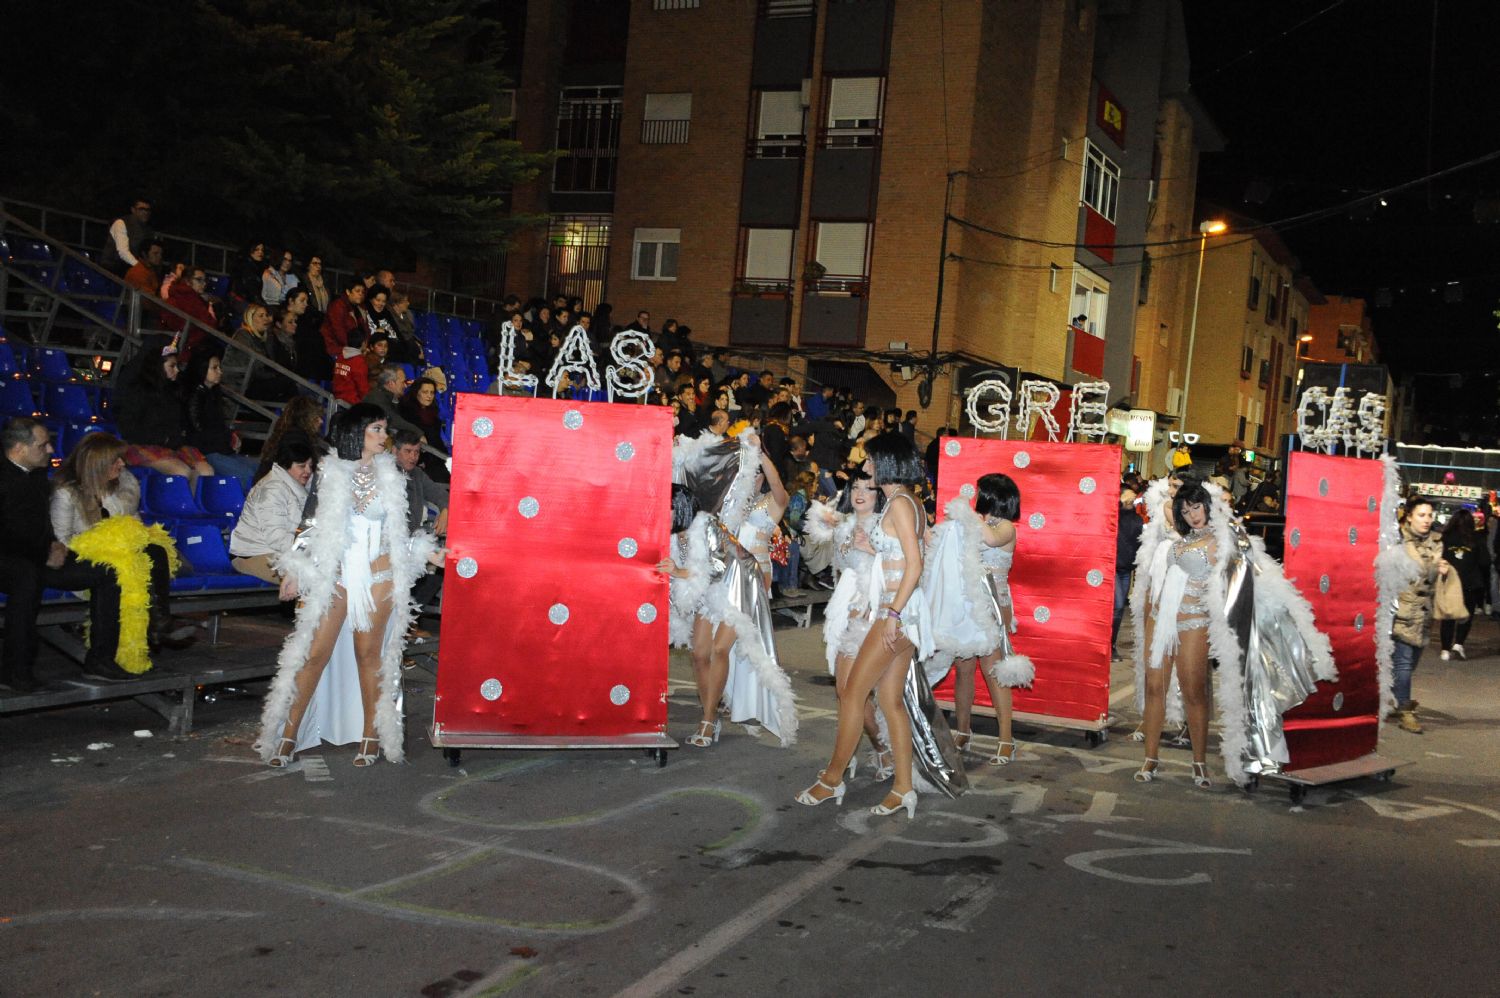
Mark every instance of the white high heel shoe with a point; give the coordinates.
(908, 800)
(363, 759)
(706, 735)
(1200, 776)
(836, 794)
(285, 749)
(999, 758)
(1144, 775)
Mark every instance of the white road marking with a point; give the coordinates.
(1127, 692)
(1479, 843)
(1088, 861)
(701, 952)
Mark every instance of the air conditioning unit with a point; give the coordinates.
(1174, 402)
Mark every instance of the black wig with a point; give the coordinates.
(999, 496)
(896, 460)
(348, 430)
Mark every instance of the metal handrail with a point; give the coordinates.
(476, 306)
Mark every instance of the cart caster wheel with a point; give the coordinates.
(1252, 784)
(1385, 777)
(454, 757)
(1297, 793)
(660, 755)
(1096, 738)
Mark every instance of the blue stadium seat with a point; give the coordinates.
(33, 251)
(70, 402)
(7, 360)
(218, 285)
(15, 397)
(79, 279)
(109, 311)
(222, 494)
(52, 365)
(202, 547)
(170, 497)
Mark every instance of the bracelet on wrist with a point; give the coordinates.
(893, 613)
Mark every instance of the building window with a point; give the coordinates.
(577, 257)
(674, 4)
(841, 257)
(1260, 436)
(1090, 302)
(780, 125)
(1253, 300)
(1265, 373)
(766, 260)
(1101, 181)
(1286, 388)
(853, 119)
(1272, 302)
(1247, 361)
(1239, 433)
(1143, 294)
(588, 139)
(1296, 327)
(1304, 349)
(654, 257)
(666, 119)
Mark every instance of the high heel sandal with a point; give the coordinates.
(285, 749)
(835, 794)
(707, 734)
(908, 800)
(961, 739)
(363, 758)
(852, 768)
(885, 764)
(1144, 775)
(1200, 776)
(999, 759)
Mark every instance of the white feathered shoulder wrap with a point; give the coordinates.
(314, 562)
(964, 624)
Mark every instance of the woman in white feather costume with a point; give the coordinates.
(967, 581)
(353, 563)
(847, 618)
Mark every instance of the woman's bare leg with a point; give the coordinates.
(841, 668)
(718, 671)
(872, 662)
(1155, 713)
(1000, 699)
(963, 696)
(703, 652)
(888, 692)
(318, 654)
(369, 644)
(1192, 678)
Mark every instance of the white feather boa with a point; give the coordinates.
(1395, 569)
(1157, 531)
(689, 551)
(767, 670)
(315, 566)
(740, 497)
(963, 618)
(1224, 645)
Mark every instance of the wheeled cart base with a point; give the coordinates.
(454, 742)
(1298, 781)
(1095, 733)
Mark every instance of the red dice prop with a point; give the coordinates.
(1332, 538)
(1063, 579)
(554, 617)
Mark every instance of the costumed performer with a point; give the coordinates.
(95, 511)
(845, 531)
(1424, 547)
(1158, 529)
(353, 563)
(1214, 592)
(900, 628)
(721, 605)
(967, 581)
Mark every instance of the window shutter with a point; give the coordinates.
(768, 254)
(780, 113)
(854, 99)
(841, 248)
(669, 107)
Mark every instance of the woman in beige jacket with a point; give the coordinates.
(1414, 607)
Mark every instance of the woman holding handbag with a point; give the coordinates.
(1461, 592)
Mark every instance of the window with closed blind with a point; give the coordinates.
(780, 124)
(768, 259)
(842, 250)
(666, 119)
(853, 111)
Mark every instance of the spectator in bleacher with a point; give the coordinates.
(301, 417)
(310, 357)
(171, 275)
(207, 419)
(818, 406)
(604, 318)
(353, 567)
(283, 338)
(686, 402)
(422, 491)
(387, 385)
(148, 410)
(642, 324)
(277, 279)
(312, 280)
(419, 408)
(774, 433)
(245, 281)
(758, 393)
(406, 348)
(187, 296)
(384, 281)
(273, 509)
(352, 375)
(254, 338)
(145, 274)
(667, 373)
(344, 325)
(91, 486)
(128, 236)
(908, 425)
(378, 318)
(33, 559)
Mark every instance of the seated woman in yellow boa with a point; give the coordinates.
(94, 512)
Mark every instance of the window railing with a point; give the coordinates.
(665, 131)
(777, 147)
(674, 4)
(863, 135)
(852, 285)
(787, 8)
(763, 286)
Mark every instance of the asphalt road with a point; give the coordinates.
(144, 866)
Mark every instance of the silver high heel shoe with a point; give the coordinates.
(836, 794)
(706, 735)
(999, 758)
(285, 749)
(1200, 776)
(908, 800)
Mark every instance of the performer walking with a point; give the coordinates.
(721, 568)
(900, 631)
(353, 564)
(847, 617)
(968, 582)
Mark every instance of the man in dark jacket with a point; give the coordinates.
(1127, 543)
(32, 559)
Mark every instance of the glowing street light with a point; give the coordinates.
(1211, 227)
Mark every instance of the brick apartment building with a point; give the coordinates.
(1338, 332)
(778, 173)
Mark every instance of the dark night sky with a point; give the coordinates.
(1339, 108)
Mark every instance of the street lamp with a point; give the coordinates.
(1208, 228)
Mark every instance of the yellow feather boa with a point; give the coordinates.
(120, 543)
